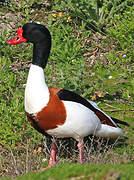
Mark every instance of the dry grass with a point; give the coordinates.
(19, 161)
(29, 158)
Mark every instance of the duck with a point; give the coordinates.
(57, 112)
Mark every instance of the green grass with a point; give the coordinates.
(92, 54)
(75, 171)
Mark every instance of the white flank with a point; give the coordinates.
(80, 122)
(36, 91)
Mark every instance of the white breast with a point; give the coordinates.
(36, 92)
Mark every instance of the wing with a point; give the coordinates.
(114, 119)
(67, 95)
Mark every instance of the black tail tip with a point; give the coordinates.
(120, 122)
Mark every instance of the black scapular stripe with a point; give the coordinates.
(67, 95)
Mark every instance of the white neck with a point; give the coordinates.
(36, 92)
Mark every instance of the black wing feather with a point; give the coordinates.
(67, 95)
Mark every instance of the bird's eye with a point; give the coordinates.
(17, 38)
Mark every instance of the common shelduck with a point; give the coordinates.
(58, 112)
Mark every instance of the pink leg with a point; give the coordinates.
(52, 156)
(81, 151)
